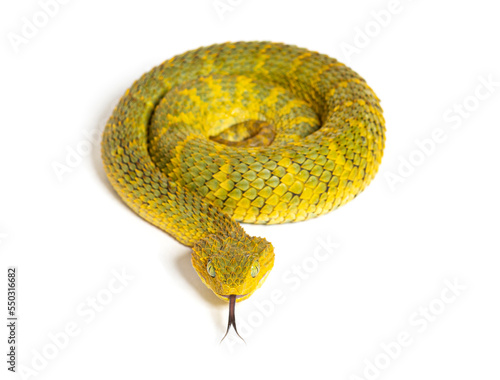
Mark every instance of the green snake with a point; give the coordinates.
(252, 132)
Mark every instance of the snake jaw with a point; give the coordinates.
(232, 317)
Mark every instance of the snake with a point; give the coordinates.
(241, 132)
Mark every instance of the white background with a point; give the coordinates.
(400, 242)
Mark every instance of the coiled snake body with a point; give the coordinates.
(253, 132)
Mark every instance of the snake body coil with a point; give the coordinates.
(253, 132)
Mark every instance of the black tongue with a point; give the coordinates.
(232, 318)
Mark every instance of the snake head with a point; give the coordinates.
(233, 265)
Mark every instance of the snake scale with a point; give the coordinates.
(253, 132)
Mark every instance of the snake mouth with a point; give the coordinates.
(232, 318)
(236, 296)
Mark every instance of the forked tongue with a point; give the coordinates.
(232, 319)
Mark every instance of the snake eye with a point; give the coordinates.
(211, 268)
(254, 270)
